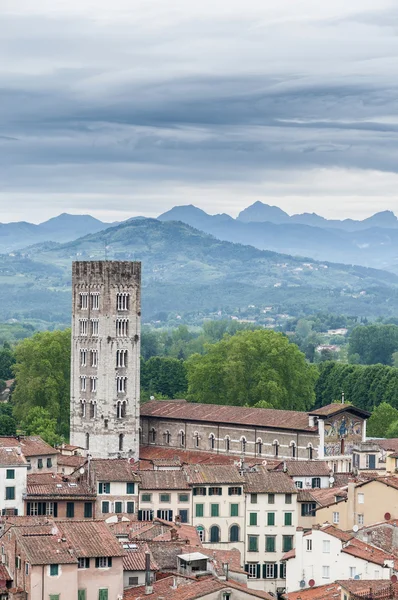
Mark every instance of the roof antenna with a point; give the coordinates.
(342, 397)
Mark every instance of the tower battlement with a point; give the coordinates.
(105, 363)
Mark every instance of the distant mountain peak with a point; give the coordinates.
(260, 212)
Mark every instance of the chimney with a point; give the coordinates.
(148, 587)
(173, 534)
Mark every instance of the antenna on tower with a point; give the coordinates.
(342, 397)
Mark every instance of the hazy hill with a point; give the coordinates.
(190, 273)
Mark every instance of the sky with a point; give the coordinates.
(129, 107)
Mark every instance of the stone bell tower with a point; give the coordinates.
(105, 361)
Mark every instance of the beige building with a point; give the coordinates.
(367, 503)
(105, 363)
(164, 495)
(40, 456)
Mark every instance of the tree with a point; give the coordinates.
(8, 425)
(374, 343)
(42, 371)
(250, 367)
(39, 422)
(392, 431)
(7, 359)
(381, 419)
(165, 376)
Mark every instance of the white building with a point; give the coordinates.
(13, 471)
(164, 495)
(326, 554)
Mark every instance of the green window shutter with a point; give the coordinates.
(10, 474)
(198, 510)
(105, 507)
(81, 595)
(103, 594)
(214, 510)
(130, 507)
(54, 596)
(88, 510)
(234, 510)
(109, 561)
(118, 507)
(100, 488)
(130, 488)
(270, 544)
(253, 519)
(288, 518)
(70, 510)
(270, 518)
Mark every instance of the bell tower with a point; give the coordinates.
(105, 359)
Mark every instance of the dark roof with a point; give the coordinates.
(306, 468)
(163, 480)
(73, 461)
(48, 485)
(10, 457)
(90, 538)
(237, 415)
(386, 444)
(336, 408)
(150, 454)
(213, 474)
(112, 469)
(134, 559)
(275, 482)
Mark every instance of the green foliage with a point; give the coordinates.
(42, 371)
(392, 431)
(7, 360)
(249, 367)
(8, 424)
(374, 343)
(165, 376)
(381, 419)
(39, 422)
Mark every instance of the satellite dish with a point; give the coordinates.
(394, 579)
(302, 583)
(331, 479)
(387, 516)
(355, 528)
(311, 583)
(81, 470)
(264, 463)
(357, 577)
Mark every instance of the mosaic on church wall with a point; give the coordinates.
(344, 427)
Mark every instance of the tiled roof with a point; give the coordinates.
(44, 485)
(269, 481)
(290, 554)
(11, 457)
(4, 574)
(367, 552)
(219, 558)
(256, 417)
(390, 481)
(167, 462)
(386, 444)
(70, 461)
(189, 589)
(90, 538)
(163, 480)
(330, 591)
(45, 549)
(148, 454)
(134, 559)
(306, 468)
(336, 532)
(217, 474)
(337, 407)
(379, 587)
(112, 469)
(31, 446)
(327, 496)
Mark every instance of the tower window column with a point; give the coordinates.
(94, 300)
(121, 359)
(123, 301)
(93, 384)
(94, 327)
(122, 327)
(83, 300)
(83, 383)
(121, 385)
(83, 357)
(94, 358)
(83, 327)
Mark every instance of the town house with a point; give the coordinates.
(165, 495)
(55, 496)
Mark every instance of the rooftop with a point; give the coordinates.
(44, 485)
(134, 559)
(10, 457)
(305, 468)
(256, 417)
(112, 469)
(30, 445)
(331, 591)
(263, 481)
(336, 408)
(163, 480)
(209, 474)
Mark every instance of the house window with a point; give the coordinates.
(271, 519)
(234, 533)
(270, 545)
(336, 518)
(54, 596)
(253, 498)
(105, 507)
(269, 571)
(199, 510)
(130, 487)
(214, 534)
(94, 301)
(103, 594)
(353, 572)
(146, 497)
(94, 358)
(102, 562)
(27, 568)
(49, 463)
(234, 510)
(259, 447)
(49, 508)
(83, 327)
(361, 498)
(316, 482)
(271, 498)
(293, 447)
(252, 543)
(214, 510)
(70, 510)
(166, 515)
(104, 488)
(201, 532)
(88, 510)
(83, 563)
(152, 436)
(215, 491)
(39, 463)
(182, 439)
(83, 358)
(326, 546)
(10, 493)
(299, 485)
(287, 543)
(122, 301)
(252, 570)
(183, 497)
(276, 448)
(10, 474)
(212, 441)
(93, 384)
(288, 498)
(122, 327)
(253, 519)
(121, 359)
(199, 491)
(94, 327)
(308, 509)
(83, 383)
(234, 491)
(326, 572)
(130, 508)
(309, 545)
(54, 570)
(133, 581)
(164, 497)
(360, 519)
(121, 385)
(288, 519)
(84, 300)
(145, 515)
(118, 507)
(196, 439)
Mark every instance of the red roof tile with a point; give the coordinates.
(46, 485)
(134, 559)
(367, 552)
(337, 407)
(264, 481)
(331, 591)
(306, 468)
(217, 474)
(112, 469)
(31, 445)
(163, 480)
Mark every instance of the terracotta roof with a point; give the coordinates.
(134, 559)
(90, 538)
(209, 474)
(330, 591)
(268, 482)
(44, 548)
(290, 554)
(44, 485)
(163, 480)
(327, 496)
(4, 574)
(70, 461)
(256, 417)
(31, 445)
(386, 444)
(335, 532)
(306, 468)
(148, 454)
(112, 469)
(167, 462)
(337, 407)
(11, 457)
(390, 481)
(189, 589)
(379, 587)
(218, 558)
(70, 448)
(367, 552)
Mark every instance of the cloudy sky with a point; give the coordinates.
(125, 107)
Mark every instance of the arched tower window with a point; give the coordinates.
(87, 441)
(243, 445)
(196, 439)
(227, 444)
(182, 438)
(121, 441)
(293, 449)
(212, 441)
(276, 448)
(167, 437)
(259, 446)
(152, 435)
